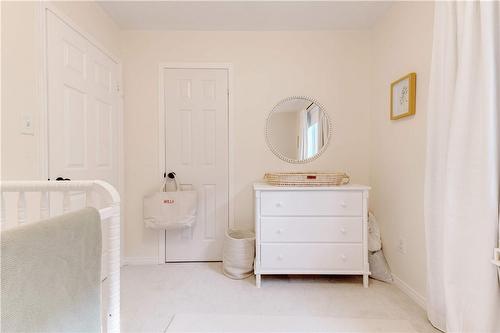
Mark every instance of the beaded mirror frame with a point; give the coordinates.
(275, 150)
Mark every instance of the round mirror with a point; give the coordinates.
(298, 129)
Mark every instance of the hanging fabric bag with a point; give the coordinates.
(170, 210)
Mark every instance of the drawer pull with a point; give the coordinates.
(280, 257)
(343, 257)
(343, 231)
(279, 204)
(279, 231)
(343, 204)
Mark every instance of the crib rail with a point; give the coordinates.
(109, 213)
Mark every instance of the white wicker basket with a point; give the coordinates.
(307, 178)
(238, 254)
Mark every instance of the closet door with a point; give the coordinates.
(82, 106)
(196, 127)
(83, 119)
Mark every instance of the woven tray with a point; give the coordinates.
(307, 178)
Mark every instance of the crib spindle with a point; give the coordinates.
(44, 205)
(21, 208)
(66, 202)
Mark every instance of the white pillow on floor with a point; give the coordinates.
(378, 266)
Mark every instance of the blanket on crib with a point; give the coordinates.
(50, 275)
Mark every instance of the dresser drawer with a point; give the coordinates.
(311, 229)
(311, 203)
(314, 257)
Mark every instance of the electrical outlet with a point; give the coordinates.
(27, 126)
(402, 246)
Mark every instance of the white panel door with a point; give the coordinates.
(196, 127)
(83, 116)
(82, 106)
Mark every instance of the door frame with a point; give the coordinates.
(43, 90)
(162, 134)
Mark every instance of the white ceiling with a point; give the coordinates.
(245, 15)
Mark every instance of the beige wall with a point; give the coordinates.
(20, 89)
(332, 67)
(402, 43)
(21, 75)
(348, 71)
(92, 19)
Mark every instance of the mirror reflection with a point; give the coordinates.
(298, 129)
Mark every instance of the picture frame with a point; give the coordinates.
(403, 96)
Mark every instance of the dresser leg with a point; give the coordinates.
(365, 280)
(257, 280)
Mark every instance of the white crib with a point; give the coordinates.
(30, 201)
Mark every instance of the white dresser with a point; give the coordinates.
(311, 230)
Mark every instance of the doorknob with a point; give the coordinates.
(170, 175)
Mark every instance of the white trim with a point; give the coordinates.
(161, 153)
(231, 145)
(43, 142)
(412, 293)
(137, 261)
(121, 152)
(161, 123)
(161, 133)
(196, 65)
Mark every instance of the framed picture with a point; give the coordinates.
(403, 96)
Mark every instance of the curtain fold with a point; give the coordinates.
(462, 173)
(323, 132)
(303, 125)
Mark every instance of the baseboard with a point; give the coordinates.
(140, 261)
(412, 293)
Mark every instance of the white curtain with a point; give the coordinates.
(303, 126)
(462, 176)
(323, 125)
(318, 116)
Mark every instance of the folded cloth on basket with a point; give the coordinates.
(51, 275)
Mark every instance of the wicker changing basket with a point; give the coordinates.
(307, 178)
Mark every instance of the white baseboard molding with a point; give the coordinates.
(412, 293)
(140, 261)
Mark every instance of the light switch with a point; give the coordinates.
(27, 126)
